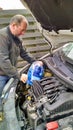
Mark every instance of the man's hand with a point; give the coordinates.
(23, 78)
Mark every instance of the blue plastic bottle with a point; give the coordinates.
(35, 72)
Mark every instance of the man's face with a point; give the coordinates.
(20, 29)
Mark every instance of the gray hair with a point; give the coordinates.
(18, 19)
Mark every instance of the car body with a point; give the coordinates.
(51, 98)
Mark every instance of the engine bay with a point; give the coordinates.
(47, 100)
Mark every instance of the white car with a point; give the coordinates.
(48, 103)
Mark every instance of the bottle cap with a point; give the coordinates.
(52, 125)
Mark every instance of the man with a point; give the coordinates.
(11, 48)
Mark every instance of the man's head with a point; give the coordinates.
(18, 25)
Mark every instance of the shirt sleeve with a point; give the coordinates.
(26, 56)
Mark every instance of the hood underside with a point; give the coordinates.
(52, 14)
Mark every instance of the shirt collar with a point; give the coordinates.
(15, 38)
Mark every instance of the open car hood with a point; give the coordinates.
(52, 14)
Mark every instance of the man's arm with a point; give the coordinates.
(5, 64)
(26, 56)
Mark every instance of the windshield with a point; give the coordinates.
(67, 51)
